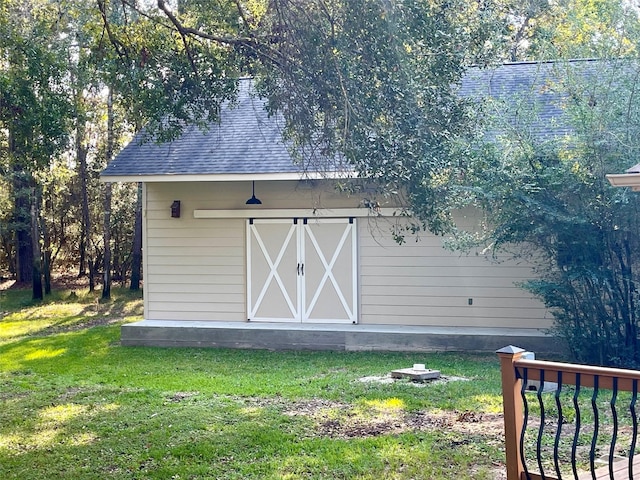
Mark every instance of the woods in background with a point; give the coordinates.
(372, 82)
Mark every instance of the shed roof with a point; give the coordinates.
(246, 142)
(526, 95)
(631, 178)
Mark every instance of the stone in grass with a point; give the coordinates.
(418, 373)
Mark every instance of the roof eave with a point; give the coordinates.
(226, 177)
(625, 180)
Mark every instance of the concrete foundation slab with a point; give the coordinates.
(295, 336)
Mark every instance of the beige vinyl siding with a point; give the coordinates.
(421, 283)
(194, 269)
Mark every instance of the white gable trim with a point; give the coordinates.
(228, 177)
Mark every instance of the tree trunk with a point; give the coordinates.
(21, 182)
(46, 259)
(47, 272)
(36, 280)
(81, 153)
(24, 249)
(82, 254)
(136, 257)
(106, 286)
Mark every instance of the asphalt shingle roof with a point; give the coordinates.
(525, 96)
(246, 140)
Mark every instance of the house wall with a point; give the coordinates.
(421, 283)
(195, 268)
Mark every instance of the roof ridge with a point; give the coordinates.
(559, 60)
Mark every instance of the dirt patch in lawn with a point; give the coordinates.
(345, 421)
(353, 426)
(341, 420)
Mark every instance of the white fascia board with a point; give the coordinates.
(625, 180)
(226, 177)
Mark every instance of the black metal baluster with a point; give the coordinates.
(634, 418)
(596, 426)
(614, 415)
(525, 420)
(541, 427)
(556, 443)
(576, 435)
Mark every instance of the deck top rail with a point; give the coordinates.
(518, 373)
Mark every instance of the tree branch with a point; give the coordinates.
(117, 44)
(162, 6)
(183, 30)
(249, 42)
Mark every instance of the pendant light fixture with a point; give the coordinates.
(253, 200)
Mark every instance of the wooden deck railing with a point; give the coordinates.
(597, 420)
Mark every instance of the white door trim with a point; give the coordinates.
(350, 310)
(252, 232)
(299, 231)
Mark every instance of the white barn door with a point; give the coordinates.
(329, 292)
(272, 279)
(302, 270)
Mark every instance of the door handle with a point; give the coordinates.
(302, 270)
(298, 269)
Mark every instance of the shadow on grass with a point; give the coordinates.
(57, 353)
(98, 432)
(64, 313)
(78, 405)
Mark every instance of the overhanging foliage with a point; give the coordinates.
(550, 197)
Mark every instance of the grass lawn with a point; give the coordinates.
(74, 404)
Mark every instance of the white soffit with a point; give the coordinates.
(625, 180)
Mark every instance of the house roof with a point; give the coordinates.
(631, 178)
(246, 142)
(526, 96)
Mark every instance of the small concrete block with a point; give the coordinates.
(415, 374)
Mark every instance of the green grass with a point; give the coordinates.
(74, 404)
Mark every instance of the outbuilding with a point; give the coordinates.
(243, 247)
